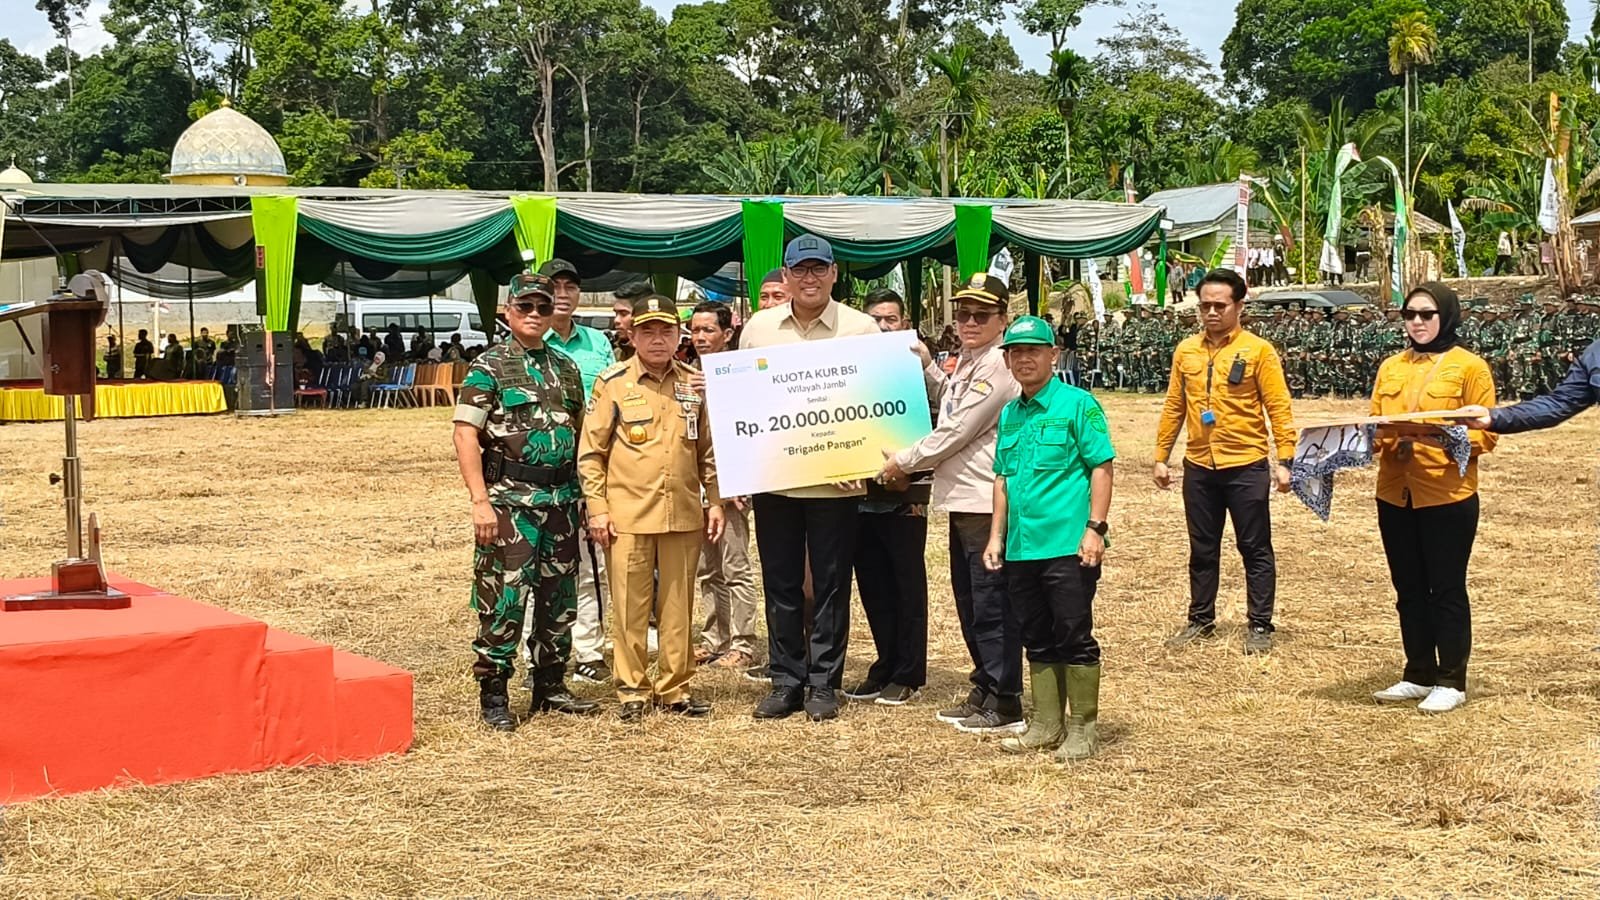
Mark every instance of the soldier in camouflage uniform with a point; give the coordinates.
(516, 436)
(1522, 351)
(1567, 336)
(1342, 353)
(1133, 347)
(1470, 332)
(1315, 341)
(1492, 339)
(1550, 349)
(1110, 352)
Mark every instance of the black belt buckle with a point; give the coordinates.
(493, 467)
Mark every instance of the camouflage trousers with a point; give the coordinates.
(533, 563)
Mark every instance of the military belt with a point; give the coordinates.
(497, 468)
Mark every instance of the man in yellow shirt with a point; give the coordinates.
(1227, 390)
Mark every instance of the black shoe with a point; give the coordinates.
(495, 705)
(631, 711)
(992, 721)
(759, 674)
(898, 695)
(780, 704)
(958, 712)
(866, 690)
(1257, 640)
(560, 700)
(592, 672)
(1194, 631)
(691, 708)
(823, 704)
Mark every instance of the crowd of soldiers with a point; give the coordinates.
(1337, 352)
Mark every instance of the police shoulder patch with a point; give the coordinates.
(982, 388)
(612, 371)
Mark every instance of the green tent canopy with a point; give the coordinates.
(184, 240)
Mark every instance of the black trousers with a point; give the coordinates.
(989, 624)
(892, 572)
(1428, 550)
(1244, 494)
(1055, 601)
(789, 531)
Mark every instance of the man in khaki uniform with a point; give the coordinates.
(645, 457)
(960, 451)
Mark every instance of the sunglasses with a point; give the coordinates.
(965, 315)
(1215, 307)
(532, 307)
(1425, 315)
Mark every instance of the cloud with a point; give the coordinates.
(31, 33)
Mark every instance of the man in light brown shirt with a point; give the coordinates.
(645, 458)
(816, 523)
(960, 451)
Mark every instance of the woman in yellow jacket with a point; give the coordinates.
(1427, 508)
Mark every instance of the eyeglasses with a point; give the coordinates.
(1425, 315)
(1214, 307)
(816, 271)
(966, 315)
(532, 307)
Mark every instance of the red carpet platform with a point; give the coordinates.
(170, 690)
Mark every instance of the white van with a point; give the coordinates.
(448, 317)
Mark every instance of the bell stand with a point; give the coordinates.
(79, 580)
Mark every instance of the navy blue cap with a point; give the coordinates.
(807, 247)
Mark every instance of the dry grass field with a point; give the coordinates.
(1219, 774)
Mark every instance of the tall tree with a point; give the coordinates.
(1069, 76)
(1412, 44)
(961, 103)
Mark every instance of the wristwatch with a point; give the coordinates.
(1097, 527)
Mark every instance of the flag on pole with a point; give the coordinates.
(1549, 201)
(1332, 258)
(1397, 258)
(1091, 271)
(1460, 235)
(1135, 266)
(1241, 226)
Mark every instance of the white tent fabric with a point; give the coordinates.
(424, 214)
(1083, 219)
(649, 214)
(856, 220)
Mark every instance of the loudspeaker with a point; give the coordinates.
(256, 397)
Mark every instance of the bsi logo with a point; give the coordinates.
(722, 370)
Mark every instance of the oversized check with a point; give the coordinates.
(795, 415)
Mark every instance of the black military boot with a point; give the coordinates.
(556, 698)
(495, 703)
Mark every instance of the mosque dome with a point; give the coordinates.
(227, 146)
(13, 175)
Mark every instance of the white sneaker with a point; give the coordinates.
(1405, 690)
(1442, 700)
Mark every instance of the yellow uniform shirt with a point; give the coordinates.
(1416, 382)
(645, 453)
(1241, 432)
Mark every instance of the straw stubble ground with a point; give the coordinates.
(1219, 773)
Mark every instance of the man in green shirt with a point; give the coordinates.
(591, 350)
(1052, 492)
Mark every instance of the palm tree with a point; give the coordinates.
(1586, 61)
(1069, 73)
(1532, 12)
(1411, 43)
(886, 136)
(963, 101)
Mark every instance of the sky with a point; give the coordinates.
(1206, 24)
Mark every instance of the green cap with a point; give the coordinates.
(1028, 330)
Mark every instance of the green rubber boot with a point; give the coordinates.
(1049, 700)
(1083, 704)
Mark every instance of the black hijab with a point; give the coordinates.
(1449, 316)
